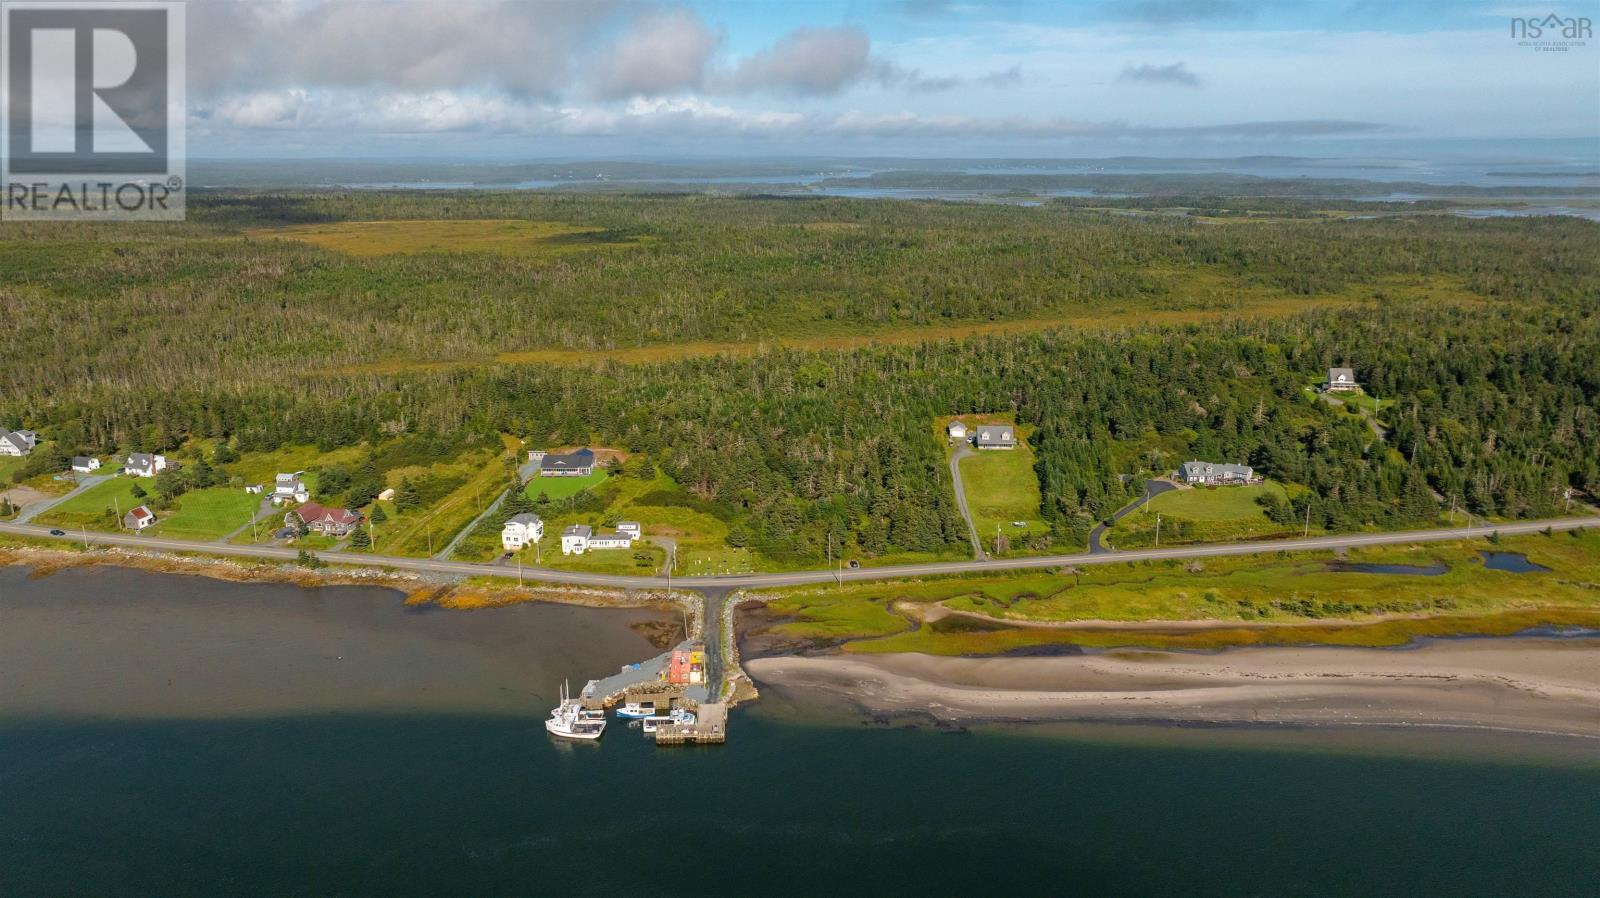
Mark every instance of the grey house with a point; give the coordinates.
(17, 443)
(996, 436)
(572, 464)
(1205, 473)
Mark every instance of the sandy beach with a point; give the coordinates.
(1525, 685)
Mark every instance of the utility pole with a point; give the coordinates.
(1308, 520)
(1158, 529)
(830, 547)
(85, 530)
(519, 570)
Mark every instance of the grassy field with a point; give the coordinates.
(1001, 486)
(558, 488)
(389, 238)
(1202, 515)
(9, 464)
(210, 514)
(427, 530)
(1296, 590)
(89, 509)
(261, 467)
(642, 559)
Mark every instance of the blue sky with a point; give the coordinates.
(496, 78)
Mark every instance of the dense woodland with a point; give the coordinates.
(1497, 394)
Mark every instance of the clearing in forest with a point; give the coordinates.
(389, 238)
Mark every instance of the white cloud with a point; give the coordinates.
(662, 53)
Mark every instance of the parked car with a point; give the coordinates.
(58, 533)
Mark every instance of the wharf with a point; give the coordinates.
(709, 728)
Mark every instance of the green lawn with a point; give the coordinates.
(1002, 488)
(8, 464)
(261, 467)
(641, 559)
(1357, 400)
(558, 488)
(89, 509)
(210, 514)
(1202, 515)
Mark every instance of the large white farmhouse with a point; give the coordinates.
(521, 530)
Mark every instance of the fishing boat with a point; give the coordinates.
(637, 710)
(570, 720)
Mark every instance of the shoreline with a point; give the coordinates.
(441, 591)
(1531, 685)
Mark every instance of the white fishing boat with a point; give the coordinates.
(637, 710)
(570, 720)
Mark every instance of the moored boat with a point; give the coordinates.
(570, 720)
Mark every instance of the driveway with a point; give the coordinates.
(38, 508)
(1152, 489)
(961, 452)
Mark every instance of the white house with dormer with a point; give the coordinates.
(17, 443)
(143, 464)
(289, 486)
(1341, 380)
(521, 530)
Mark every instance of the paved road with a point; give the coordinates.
(39, 508)
(1153, 488)
(961, 452)
(799, 578)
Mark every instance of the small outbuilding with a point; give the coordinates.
(85, 464)
(138, 518)
(957, 431)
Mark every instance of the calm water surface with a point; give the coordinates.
(181, 792)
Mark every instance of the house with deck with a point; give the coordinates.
(521, 530)
(1205, 473)
(1341, 380)
(996, 436)
(335, 522)
(143, 464)
(569, 464)
(17, 443)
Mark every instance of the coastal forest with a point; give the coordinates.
(781, 360)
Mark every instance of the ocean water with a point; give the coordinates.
(181, 794)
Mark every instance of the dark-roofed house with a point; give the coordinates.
(17, 442)
(326, 521)
(1205, 473)
(571, 464)
(138, 518)
(996, 436)
(85, 464)
(1341, 380)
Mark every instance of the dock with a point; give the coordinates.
(709, 728)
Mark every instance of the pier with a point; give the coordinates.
(688, 676)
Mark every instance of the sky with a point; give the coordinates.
(633, 78)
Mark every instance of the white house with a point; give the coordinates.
(85, 464)
(255, 489)
(138, 518)
(1208, 473)
(17, 443)
(575, 539)
(521, 530)
(957, 431)
(142, 464)
(998, 436)
(630, 529)
(580, 538)
(1341, 380)
(289, 486)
